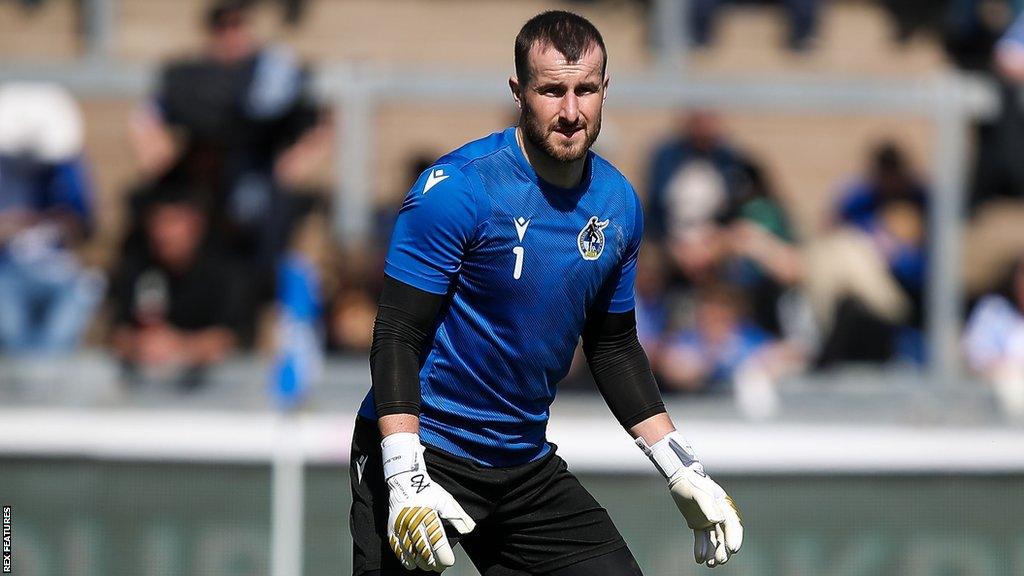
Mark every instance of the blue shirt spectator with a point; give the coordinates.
(45, 211)
(891, 205)
(722, 341)
(724, 357)
(994, 335)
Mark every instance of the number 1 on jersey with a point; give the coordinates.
(518, 251)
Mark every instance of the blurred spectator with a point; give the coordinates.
(386, 212)
(757, 223)
(693, 180)
(238, 121)
(891, 206)
(651, 303)
(294, 10)
(298, 362)
(180, 304)
(354, 304)
(352, 320)
(911, 16)
(803, 21)
(994, 339)
(48, 298)
(709, 355)
(972, 28)
(692, 177)
(881, 225)
(997, 182)
(998, 172)
(781, 304)
(1009, 52)
(708, 205)
(715, 218)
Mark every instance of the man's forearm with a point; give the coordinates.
(654, 428)
(301, 159)
(152, 141)
(208, 345)
(123, 342)
(395, 423)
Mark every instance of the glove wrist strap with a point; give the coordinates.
(401, 452)
(670, 453)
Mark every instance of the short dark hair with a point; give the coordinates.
(571, 34)
(220, 12)
(170, 193)
(888, 158)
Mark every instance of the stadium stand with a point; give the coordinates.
(151, 30)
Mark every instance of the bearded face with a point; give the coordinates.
(562, 140)
(561, 102)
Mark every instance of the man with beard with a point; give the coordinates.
(505, 252)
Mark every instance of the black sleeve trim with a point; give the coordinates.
(406, 318)
(620, 367)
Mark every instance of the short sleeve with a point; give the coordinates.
(436, 223)
(988, 329)
(622, 298)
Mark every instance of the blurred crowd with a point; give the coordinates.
(730, 295)
(214, 234)
(225, 250)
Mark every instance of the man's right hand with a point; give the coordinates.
(417, 506)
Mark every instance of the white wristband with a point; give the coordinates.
(401, 452)
(670, 453)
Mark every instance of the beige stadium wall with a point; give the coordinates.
(44, 33)
(808, 157)
(855, 36)
(452, 33)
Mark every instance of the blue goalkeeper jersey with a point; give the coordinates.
(521, 263)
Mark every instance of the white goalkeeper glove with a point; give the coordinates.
(709, 511)
(417, 505)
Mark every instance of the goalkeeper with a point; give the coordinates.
(504, 253)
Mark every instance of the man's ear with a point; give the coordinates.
(607, 80)
(513, 85)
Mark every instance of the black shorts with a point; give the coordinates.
(530, 519)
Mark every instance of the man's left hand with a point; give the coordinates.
(709, 511)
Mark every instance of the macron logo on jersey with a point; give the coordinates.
(433, 179)
(521, 225)
(360, 466)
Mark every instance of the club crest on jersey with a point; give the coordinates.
(591, 239)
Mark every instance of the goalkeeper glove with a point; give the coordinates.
(709, 511)
(417, 505)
